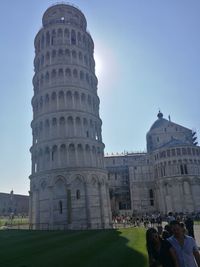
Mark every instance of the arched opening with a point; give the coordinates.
(78, 194)
(73, 37)
(151, 197)
(60, 207)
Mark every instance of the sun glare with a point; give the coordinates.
(98, 65)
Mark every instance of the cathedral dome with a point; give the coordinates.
(159, 122)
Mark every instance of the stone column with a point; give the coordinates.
(59, 158)
(37, 210)
(182, 204)
(69, 207)
(30, 209)
(162, 198)
(195, 187)
(51, 221)
(87, 205)
(108, 201)
(101, 203)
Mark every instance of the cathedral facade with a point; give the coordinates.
(13, 204)
(68, 183)
(163, 179)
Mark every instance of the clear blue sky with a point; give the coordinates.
(150, 58)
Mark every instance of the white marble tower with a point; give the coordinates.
(68, 183)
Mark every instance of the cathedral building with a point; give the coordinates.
(68, 183)
(163, 179)
(13, 204)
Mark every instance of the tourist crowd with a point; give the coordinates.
(170, 239)
(174, 245)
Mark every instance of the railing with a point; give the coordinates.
(65, 3)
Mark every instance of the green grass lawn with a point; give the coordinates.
(95, 248)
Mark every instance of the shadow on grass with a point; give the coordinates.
(94, 248)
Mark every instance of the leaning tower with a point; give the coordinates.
(68, 183)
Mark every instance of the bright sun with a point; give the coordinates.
(98, 64)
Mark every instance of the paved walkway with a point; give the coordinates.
(197, 233)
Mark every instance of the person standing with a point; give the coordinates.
(189, 224)
(160, 252)
(185, 246)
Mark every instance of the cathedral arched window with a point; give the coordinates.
(67, 52)
(47, 77)
(66, 33)
(73, 37)
(53, 54)
(185, 169)
(54, 152)
(47, 39)
(151, 196)
(53, 37)
(42, 60)
(74, 55)
(80, 55)
(79, 38)
(53, 96)
(60, 207)
(83, 98)
(60, 73)
(87, 78)
(75, 73)
(47, 57)
(46, 99)
(60, 52)
(85, 60)
(42, 42)
(78, 194)
(89, 100)
(84, 41)
(62, 121)
(81, 75)
(61, 95)
(60, 32)
(53, 74)
(69, 96)
(70, 121)
(182, 169)
(68, 72)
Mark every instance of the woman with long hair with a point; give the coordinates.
(160, 252)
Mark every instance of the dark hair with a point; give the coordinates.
(149, 244)
(165, 234)
(182, 224)
(168, 229)
(172, 223)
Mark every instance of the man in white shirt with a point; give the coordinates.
(185, 246)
